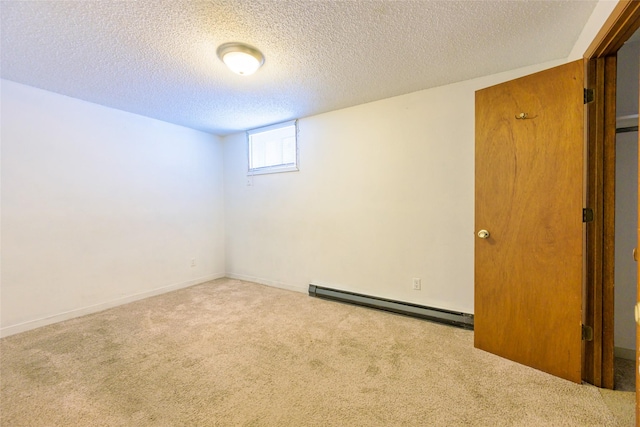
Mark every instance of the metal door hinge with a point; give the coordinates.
(587, 333)
(589, 96)
(587, 215)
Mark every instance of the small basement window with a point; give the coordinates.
(273, 148)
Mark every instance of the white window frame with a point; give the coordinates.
(286, 167)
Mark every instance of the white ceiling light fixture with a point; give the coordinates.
(240, 58)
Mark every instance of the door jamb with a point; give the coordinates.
(600, 75)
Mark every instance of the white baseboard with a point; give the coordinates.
(272, 283)
(5, 331)
(624, 353)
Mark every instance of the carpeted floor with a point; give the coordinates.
(232, 353)
(625, 374)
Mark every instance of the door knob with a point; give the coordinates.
(635, 254)
(483, 234)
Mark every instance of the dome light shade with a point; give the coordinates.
(240, 58)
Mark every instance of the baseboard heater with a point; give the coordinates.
(462, 320)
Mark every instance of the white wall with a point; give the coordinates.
(626, 220)
(626, 202)
(385, 193)
(100, 207)
(596, 21)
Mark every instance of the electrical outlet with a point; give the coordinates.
(193, 262)
(417, 284)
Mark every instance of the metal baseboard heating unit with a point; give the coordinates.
(462, 320)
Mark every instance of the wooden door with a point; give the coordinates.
(529, 196)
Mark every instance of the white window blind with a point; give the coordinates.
(273, 148)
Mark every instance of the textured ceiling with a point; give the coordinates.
(157, 58)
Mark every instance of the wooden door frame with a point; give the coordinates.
(600, 76)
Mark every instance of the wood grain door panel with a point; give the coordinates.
(529, 192)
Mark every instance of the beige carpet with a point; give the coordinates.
(232, 353)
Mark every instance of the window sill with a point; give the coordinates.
(275, 169)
